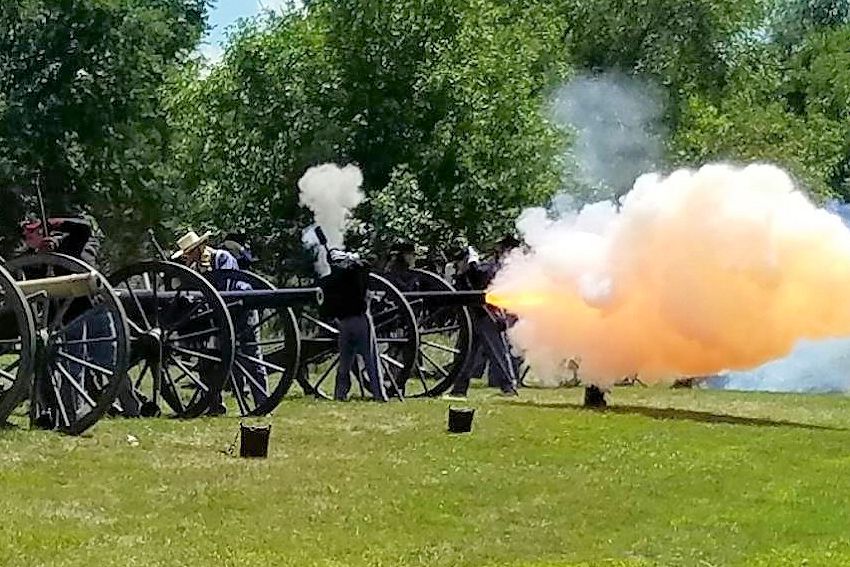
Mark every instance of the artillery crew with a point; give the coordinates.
(78, 237)
(347, 302)
(489, 342)
(194, 251)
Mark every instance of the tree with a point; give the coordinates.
(444, 95)
(80, 103)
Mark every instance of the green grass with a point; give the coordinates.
(540, 483)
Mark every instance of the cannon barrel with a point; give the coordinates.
(61, 287)
(448, 298)
(249, 299)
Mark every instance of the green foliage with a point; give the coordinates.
(79, 103)
(443, 104)
(786, 109)
(447, 95)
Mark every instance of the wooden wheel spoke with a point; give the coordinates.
(196, 334)
(334, 363)
(435, 364)
(7, 375)
(239, 394)
(174, 390)
(66, 374)
(439, 330)
(63, 411)
(141, 377)
(196, 354)
(321, 324)
(268, 342)
(443, 348)
(253, 380)
(138, 305)
(85, 363)
(261, 362)
(392, 361)
(97, 340)
(189, 373)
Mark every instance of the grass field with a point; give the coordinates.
(661, 479)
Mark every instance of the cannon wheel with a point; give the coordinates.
(396, 334)
(85, 345)
(182, 337)
(279, 345)
(445, 340)
(17, 346)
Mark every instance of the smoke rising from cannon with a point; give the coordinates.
(722, 268)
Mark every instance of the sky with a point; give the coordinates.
(224, 14)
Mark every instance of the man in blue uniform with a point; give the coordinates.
(346, 301)
(488, 323)
(194, 252)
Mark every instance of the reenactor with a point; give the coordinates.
(79, 237)
(346, 301)
(194, 251)
(489, 324)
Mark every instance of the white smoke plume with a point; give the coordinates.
(617, 121)
(700, 272)
(331, 192)
(813, 366)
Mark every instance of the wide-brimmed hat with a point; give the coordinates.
(189, 242)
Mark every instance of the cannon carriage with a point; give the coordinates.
(65, 343)
(161, 336)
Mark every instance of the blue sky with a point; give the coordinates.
(224, 14)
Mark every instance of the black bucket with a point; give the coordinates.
(460, 420)
(254, 441)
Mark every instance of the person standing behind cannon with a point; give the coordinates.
(193, 251)
(488, 325)
(78, 237)
(399, 269)
(346, 300)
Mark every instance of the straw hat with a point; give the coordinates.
(189, 242)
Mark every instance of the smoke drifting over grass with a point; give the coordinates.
(617, 121)
(703, 271)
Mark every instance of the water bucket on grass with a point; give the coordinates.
(460, 420)
(254, 440)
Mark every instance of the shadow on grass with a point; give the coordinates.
(677, 415)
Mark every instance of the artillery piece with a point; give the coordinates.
(64, 344)
(186, 347)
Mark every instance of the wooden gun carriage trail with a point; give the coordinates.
(76, 345)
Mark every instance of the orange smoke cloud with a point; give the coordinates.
(702, 271)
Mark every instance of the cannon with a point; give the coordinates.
(186, 348)
(423, 338)
(65, 342)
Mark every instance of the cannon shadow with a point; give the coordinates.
(675, 414)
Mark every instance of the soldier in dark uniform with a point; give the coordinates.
(78, 237)
(399, 269)
(346, 301)
(489, 325)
